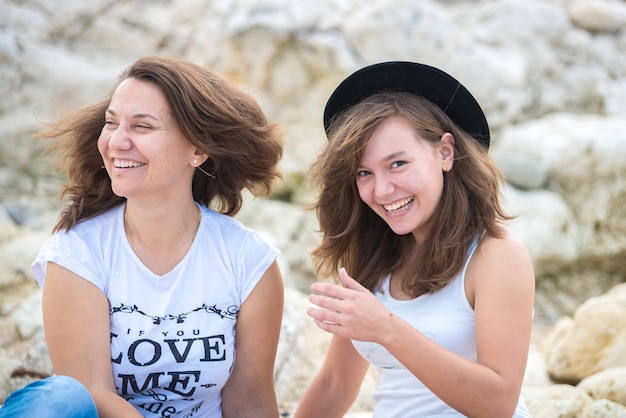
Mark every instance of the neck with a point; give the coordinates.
(161, 238)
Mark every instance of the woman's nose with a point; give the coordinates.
(120, 137)
(383, 186)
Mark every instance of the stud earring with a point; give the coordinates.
(195, 161)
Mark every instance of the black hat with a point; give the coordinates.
(430, 82)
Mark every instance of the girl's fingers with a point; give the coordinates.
(325, 302)
(331, 290)
(323, 315)
(336, 291)
(348, 281)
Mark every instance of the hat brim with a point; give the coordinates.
(430, 82)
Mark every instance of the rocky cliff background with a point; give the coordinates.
(550, 75)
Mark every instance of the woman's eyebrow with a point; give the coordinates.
(393, 155)
(135, 116)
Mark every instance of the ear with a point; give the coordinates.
(199, 157)
(446, 151)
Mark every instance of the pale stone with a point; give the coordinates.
(7, 366)
(28, 316)
(487, 59)
(289, 228)
(599, 15)
(561, 329)
(536, 373)
(563, 401)
(608, 384)
(546, 224)
(523, 172)
(594, 341)
(420, 28)
(292, 347)
(586, 220)
(581, 152)
(301, 360)
(604, 408)
(17, 256)
(563, 293)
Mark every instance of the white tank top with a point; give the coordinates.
(447, 318)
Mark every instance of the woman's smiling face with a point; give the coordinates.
(400, 176)
(141, 144)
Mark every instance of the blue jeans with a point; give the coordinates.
(53, 397)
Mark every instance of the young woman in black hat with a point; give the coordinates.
(434, 290)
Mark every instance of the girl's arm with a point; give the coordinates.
(337, 384)
(500, 283)
(77, 327)
(249, 391)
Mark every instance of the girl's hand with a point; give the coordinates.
(349, 311)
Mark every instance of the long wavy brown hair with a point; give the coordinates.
(214, 115)
(354, 237)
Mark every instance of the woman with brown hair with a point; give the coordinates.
(434, 291)
(154, 298)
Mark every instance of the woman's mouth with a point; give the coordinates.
(126, 164)
(399, 205)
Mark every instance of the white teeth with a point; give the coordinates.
(126, 164)
(398, 205)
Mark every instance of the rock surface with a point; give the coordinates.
(550, 75)
(592, 341)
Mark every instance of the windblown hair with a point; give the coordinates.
(354, 237)
(214, 115)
